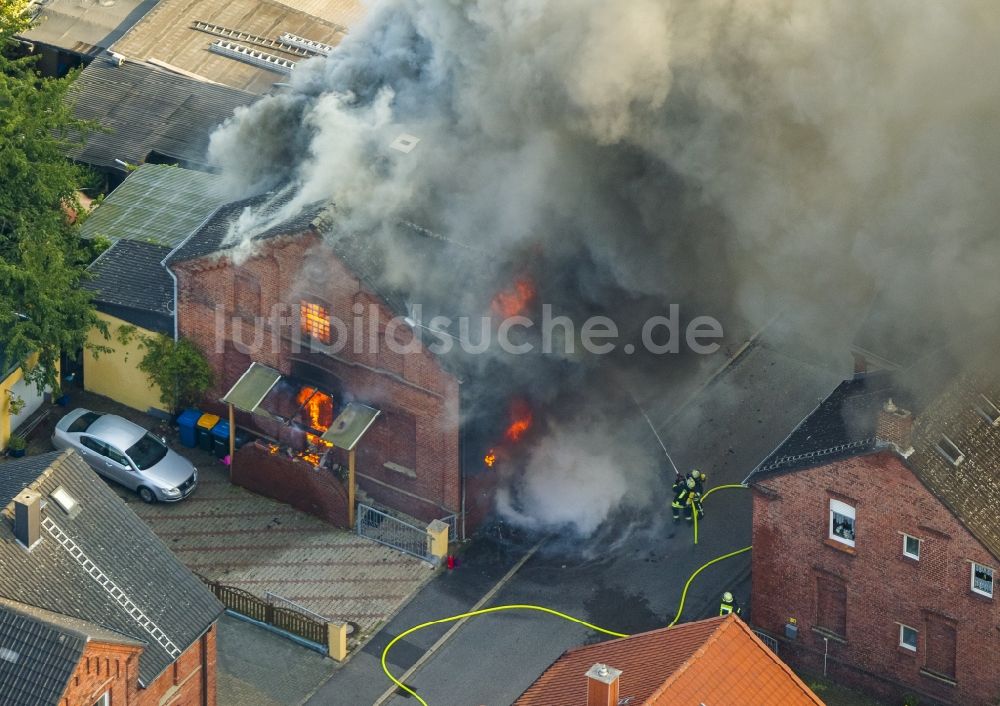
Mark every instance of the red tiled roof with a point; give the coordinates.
(714, 661)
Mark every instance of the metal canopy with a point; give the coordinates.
(350, 425)
(250, 390)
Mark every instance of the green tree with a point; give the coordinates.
(178, 368)
(43, 309)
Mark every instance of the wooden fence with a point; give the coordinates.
(265, 611)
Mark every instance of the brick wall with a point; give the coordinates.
(104, 668)
(185, 682)
(414, 392)
(794, 559)
(317, 492)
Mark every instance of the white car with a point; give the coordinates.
(127, 454)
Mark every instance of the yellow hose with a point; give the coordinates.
(550, 611)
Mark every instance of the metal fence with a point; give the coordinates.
(288, 617)
(767, 640)
(452, 522)
(392, 531)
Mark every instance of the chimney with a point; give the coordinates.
(27, 517)
(602, 685)
(895, 427)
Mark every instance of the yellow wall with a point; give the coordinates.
(5, 385)
(117, 375)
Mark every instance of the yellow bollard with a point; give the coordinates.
(336, 636)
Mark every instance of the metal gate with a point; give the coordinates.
(391, 531)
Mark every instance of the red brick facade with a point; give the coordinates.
(410, 457)
(114, 669)
(858, 597)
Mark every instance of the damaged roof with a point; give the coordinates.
(40, 651)
(173, 606)
(714, 661)
(146, 110)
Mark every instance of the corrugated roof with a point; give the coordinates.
(166, 35)
(129, 275)
(84, 27)
(122, 547)
(714, 661)
(157, 204)
(148, 110)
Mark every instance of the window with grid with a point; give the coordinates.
(314, 320)
(982, 580)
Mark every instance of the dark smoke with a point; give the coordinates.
(736, 158)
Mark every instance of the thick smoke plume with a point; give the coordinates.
(737, 158)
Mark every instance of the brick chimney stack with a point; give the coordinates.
(895, 427)
(602, 685)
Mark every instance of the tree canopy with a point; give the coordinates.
(43, 309)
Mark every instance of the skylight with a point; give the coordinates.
(989, 410)
(63, 499)
(8, 655)
(946, 447)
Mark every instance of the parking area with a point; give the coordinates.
(230, 535)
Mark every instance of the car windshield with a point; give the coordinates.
(147, 452)
(83, 422)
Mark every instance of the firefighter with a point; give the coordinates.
(699, 480)
(692, 500)
(729, 605)
(680, 496)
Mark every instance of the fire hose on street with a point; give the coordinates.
(551, 611)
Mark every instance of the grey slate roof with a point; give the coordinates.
(16, 475)
(157, 203)
(122, 547)
(149, 110)
(41, 650)
(131, 283)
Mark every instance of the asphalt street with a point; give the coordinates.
(630, 576)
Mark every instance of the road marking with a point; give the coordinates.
(487, 597)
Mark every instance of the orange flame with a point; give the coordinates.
(320, 410)
(523, 418)
(515, 299)
(490, 458)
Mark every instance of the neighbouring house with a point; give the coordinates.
(244, 44)
(272, 305)
(876, 540)
(147, 216)
(148, 115)
(94, 609)
(714, 661)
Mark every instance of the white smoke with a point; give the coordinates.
(738, 157)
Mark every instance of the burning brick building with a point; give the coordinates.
(308, 306)
(875, 539)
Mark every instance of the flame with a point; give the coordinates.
(523, 417)
(319, 408)
(490, 458)
(514, 299)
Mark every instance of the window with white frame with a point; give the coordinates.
(104, 700)
(842, 522)
(911, 547)
(907, 637)
(982, 579)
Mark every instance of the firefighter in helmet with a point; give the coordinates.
(699, 480)
(729, 605)
(680, 495)
(691, 500)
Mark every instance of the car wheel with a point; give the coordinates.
(147, 495)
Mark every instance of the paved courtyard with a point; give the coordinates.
(228, 534)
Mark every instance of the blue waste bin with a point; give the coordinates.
(220, 439)
(188, 423)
